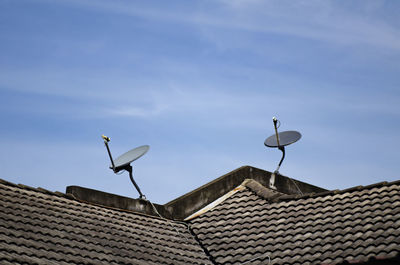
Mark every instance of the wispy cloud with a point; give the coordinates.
(145, 112)
(316, 20)
(93, 95)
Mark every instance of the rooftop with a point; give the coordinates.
(42, 227)
(257, 224)
(248, 216)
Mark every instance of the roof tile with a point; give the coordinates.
(39, 226)
(331, 227)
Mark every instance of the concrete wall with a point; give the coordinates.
(193, 201)
(199, 198)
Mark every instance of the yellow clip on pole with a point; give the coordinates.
(105, 138)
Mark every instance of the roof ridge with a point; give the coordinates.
(337, 191)
(215, 203)
(72, 197)
(183, 206)
(266, 193)
(38, 189)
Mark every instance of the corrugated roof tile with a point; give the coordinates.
(39, 226)
(252, 225)
(322, 228)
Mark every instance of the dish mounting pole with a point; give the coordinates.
(282, 148)
(130, 170)
(106, 140)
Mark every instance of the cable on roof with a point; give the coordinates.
(169, 221)
(295, 184)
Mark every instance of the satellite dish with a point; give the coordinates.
(124, 161)
(131, 156)
(285, 138)
(280, 140)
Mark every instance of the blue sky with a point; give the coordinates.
(199, 81)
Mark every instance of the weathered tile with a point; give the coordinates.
(332, 227)
(38, 226)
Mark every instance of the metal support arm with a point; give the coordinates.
(129, 169)
(282, 148)
(106, 140)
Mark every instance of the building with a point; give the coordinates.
(248, 216)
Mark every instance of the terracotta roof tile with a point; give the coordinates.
(354, 224)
